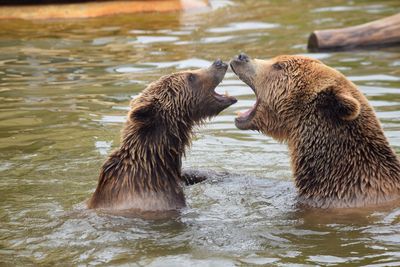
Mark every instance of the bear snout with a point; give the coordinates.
(243, 57)
(219, 64)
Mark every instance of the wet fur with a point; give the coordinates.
(145, 172)
(339, 154)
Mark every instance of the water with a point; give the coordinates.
(65, 88)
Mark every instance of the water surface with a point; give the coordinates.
(65, 88)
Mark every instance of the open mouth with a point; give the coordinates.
(243, 119)
(243, 116)
(225, 98)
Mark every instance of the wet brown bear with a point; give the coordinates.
(145, 172)
(339, 154)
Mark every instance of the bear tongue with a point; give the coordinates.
(224, 96)
(245, 114)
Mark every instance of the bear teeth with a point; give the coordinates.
(241, 113)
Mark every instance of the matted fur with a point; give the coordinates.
(145, 172)
(339, 154)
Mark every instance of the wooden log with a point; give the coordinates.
(379, 33)
(90, 9)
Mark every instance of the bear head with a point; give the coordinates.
(290, 90)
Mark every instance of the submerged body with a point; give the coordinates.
(339, 154)
(145, 172)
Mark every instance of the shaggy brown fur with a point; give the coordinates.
(339, 154)
(145, 172)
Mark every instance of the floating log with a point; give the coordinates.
(379, 33)
(88, 9)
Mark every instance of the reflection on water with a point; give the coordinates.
(243, 26)
(65, 88)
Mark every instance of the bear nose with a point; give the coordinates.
(243, 57)
(219, 63)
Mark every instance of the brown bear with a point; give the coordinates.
(145, 172)
(339, 154)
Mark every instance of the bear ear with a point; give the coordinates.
(141, 110)
(336, 102)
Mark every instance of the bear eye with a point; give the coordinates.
(191, 77)
(278, 66)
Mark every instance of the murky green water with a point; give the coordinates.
(64, 92)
